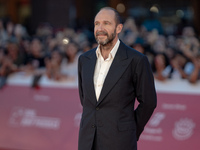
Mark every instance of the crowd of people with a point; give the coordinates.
(54, 52)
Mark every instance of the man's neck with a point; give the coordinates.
(105, 49)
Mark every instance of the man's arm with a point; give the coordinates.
(145, 93)
(80, 81)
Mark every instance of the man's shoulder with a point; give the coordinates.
(131, 51)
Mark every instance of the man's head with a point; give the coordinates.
(107, 26)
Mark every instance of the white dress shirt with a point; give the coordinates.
(102, 67)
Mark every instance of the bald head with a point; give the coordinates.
(118, 19)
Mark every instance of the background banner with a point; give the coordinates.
(48, 119)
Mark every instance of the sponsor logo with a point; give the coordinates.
(42, 98)
(156, 119)
(183, 129)
(152, 132)
(21, 117)
(179, 107)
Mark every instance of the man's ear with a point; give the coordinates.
(119, 28)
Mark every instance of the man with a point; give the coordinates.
(111, 76)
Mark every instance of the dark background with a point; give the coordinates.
(80, 14)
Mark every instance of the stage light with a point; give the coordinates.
(121, 8)
(65, 41)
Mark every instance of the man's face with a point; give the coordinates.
(105, 27)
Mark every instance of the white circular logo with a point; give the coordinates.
(183, 129)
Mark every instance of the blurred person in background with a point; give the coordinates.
(10, 62)
(159, 45)
(37, 55)
(25, 50)
(53, 65)
(170, 52)
(19, 33)
(2, 78)
(86, 46)
(188, 43)
(152, 22)
(2, 54)
(160, 67)
(195, 75)
(3, 34)
(139, 47)
(44, 30)
(10, 29)
(171, 41)
(70, 61)
(189, 37)
(150, 38)
(129, 32)
(94, 45)
(59, 37)
(179, 66)
(50, 44)
(36, 63)
(145, 38)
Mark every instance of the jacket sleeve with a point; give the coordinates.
(80, 81)
(145, 94)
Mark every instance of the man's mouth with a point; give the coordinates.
(101, 34)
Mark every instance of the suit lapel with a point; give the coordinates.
(89, 70)
(116, 70)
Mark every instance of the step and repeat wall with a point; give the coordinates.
(48, 117)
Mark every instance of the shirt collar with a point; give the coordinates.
(112, 52)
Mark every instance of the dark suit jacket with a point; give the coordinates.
(112, 119)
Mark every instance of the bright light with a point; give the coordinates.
(121, 8)
(154, 9)
(65, 41)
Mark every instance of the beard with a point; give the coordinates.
(108, 40)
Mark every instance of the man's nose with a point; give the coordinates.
(100, 27)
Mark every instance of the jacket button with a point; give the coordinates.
(93, 126)
(97, 108)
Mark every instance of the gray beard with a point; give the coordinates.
(108, 40)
